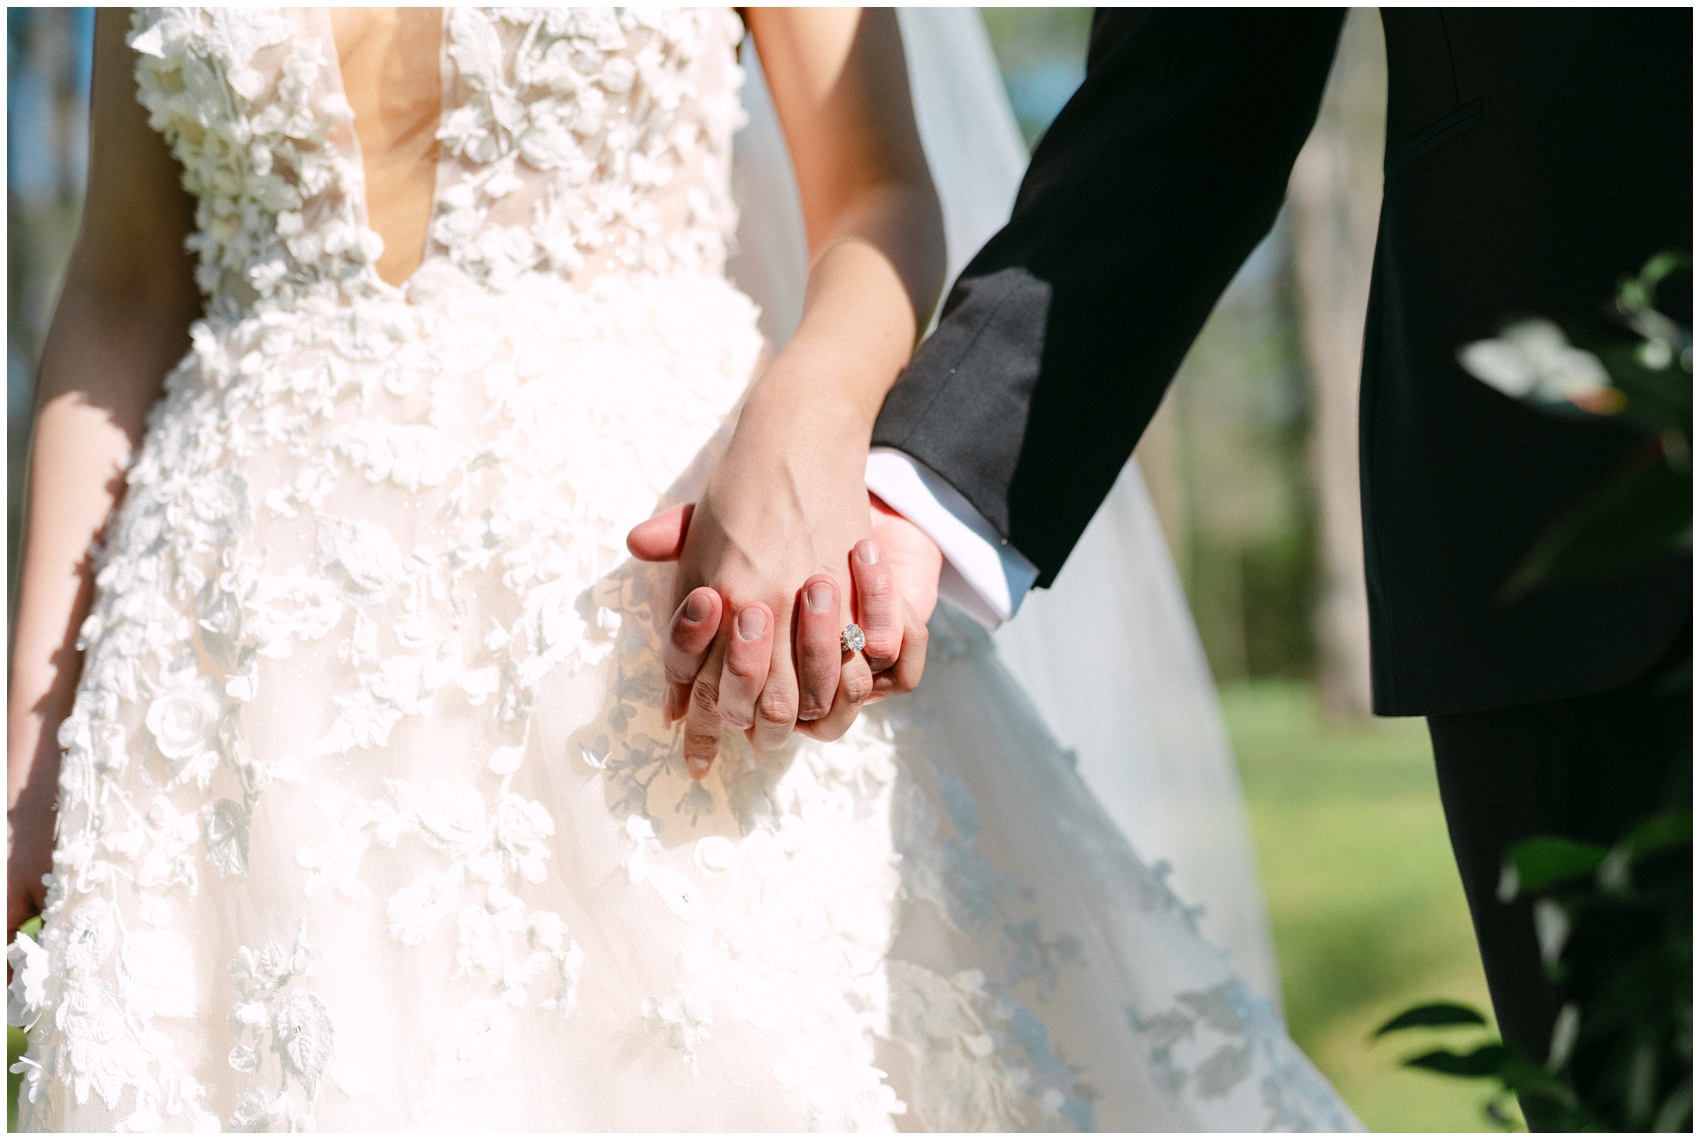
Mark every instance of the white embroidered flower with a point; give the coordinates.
(221, 500)
(183, 720)
(505, 761)
(89, 936)
(479, 945)
(520, 828)
(449, 817)
(410, 455)
(682, 1018)
(547, 932)
(361, 558)
(417, 909)
(31, 969)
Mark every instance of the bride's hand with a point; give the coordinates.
(767, 544)
(894, 574)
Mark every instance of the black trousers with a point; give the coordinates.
(1584, 768)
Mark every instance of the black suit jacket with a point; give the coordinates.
(1533, 157)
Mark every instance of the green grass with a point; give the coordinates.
(1364, 898)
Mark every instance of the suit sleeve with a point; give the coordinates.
(1155, 182)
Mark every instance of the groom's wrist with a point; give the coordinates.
(984, 576)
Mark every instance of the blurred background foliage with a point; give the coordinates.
(1252, 464)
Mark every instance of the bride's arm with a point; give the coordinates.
(788, 501)
(122, 321)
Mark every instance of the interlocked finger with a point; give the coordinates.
(903, 676)
(690, 634)
(748, 655)
(702, 712)
(878, 609)
(855, 684)
(819, 656)
(776, 708)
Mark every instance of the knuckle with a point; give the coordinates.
(702, 739)
(818, 686)
(751, 670)
(705, 697)
(857, 686)
(777, 708)
(874, 583)
(729, 710)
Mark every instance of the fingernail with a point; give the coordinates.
(696, 608)
(867, 552)
(819, 597)
(698, 765)
(752, 623)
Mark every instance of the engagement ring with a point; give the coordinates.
(853, 639)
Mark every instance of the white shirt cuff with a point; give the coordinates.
(984, 576)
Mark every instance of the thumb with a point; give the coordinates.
(661, 537)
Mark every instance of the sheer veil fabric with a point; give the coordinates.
(1109, 655)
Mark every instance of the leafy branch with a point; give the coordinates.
(1631, 1012)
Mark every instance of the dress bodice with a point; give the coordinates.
(572, 142)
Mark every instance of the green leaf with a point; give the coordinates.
(1434, 1014)
(1655, 400)
(1673, 829)
(1631, 521)
(1541, 862)
(1634, 293)
(1484, 1061)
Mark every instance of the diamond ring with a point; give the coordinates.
(853, 639)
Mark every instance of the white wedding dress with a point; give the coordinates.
(368, 815)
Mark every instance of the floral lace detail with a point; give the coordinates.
(487, 855)
(1212, 1041)
(574, 141)
(264, 148)
(89, 992)
(272, 1016)
(982, 1056)
(609, 107)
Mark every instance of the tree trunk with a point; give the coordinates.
(1336, 197)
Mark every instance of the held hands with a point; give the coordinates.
(743, 651)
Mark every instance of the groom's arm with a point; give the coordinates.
(1055, 346)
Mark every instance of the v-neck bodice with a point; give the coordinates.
(572, 143)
